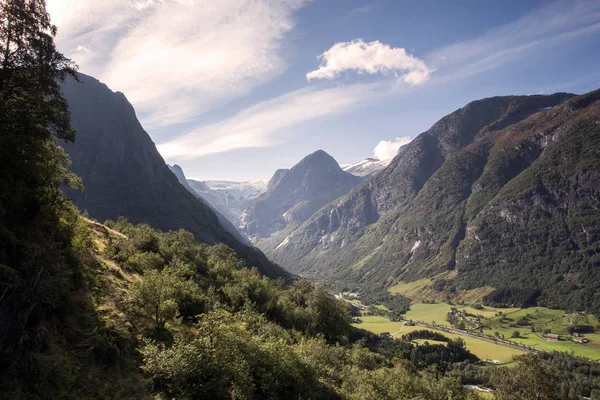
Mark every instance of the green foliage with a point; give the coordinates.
(239, 356)
(252, 337)
(157, 295)
(530, 379)
(425, 334)
(399, 382)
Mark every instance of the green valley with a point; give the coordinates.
(460, 263)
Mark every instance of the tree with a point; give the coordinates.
(516, 334)
(157, 296)
(530, 379)
(34, 227)
(330, 316)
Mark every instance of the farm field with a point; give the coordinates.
(541, 318)
(437, 312)
(481, 348)
(378, 324)
(544, 319)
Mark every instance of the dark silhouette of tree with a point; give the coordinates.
(33, 114)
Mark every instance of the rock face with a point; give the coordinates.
(293, 196)
(503, 193)
(124, 175)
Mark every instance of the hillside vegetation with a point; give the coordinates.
(149, 312)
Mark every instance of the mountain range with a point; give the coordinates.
(498, 201)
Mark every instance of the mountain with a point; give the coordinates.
(277, 177)
(249, 189)
(124, 175)
(498, 201)
(208, 199)
(366, 168)
(229, 198)
(176, 169)
(293, 196)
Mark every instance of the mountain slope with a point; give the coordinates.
(124, 175)
(503, 193)
(293, 196)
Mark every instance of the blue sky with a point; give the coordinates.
(234, 89)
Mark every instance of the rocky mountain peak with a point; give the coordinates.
(293, 195)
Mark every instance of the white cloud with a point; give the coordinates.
(370, 58)
(267, 123)
(386, 150)
(175, 59)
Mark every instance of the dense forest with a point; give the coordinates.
(116, 310)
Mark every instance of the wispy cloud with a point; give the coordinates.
(371, 58)
(364, 9)
(176, 59)
(267, 123)
(547, 27)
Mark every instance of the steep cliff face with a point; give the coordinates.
(501, 193)
(293, 196)
(124, 175)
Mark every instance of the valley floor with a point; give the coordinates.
(483, 349)
(494, 342)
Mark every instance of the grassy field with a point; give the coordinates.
(546, 319)
(437, 312)
(540, 317)
(377, 324)
(481, 348)
(409, 289)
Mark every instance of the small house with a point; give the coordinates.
(552, 337)
(385, 335)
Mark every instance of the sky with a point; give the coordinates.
(235, 89)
